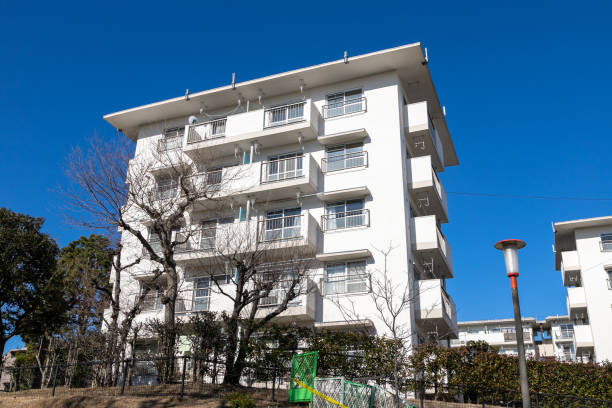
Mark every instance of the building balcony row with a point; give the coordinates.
(435, 309)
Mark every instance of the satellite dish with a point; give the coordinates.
(193, 120)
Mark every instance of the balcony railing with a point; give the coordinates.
(347, 107)
(347, 219)
(282, 169)
(166, 191)
(344, 161)
(280, 228)
(169, 143)
(347, 284)
(277, 295)
(564, 335)
(285, 114)
(197, 240)
(206, 131)
(605, 245)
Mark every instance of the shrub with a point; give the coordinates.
(241, 400)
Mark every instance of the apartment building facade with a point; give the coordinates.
(341, 157)
(583, 255)
(500, 333)
(552, 338)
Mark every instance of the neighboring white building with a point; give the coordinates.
(583, 254)
(364, 141)
(500, 333)
(561, 331)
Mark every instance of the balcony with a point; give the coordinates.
(422, 136)
(301, 309)
(280, 125)
(294, 232)
(570, 268)
(435, 309)
(431, 247)
(583, 339)
(428, 192)
(281, 179)
(564, 336)
(576, 303)
(347, 107)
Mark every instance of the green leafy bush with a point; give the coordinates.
(241, 400)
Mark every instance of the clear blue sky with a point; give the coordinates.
(527, 91)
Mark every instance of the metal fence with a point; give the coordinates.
(202, 377)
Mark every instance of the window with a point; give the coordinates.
(606, 242)
(345, 214)
(167, 187)
(566, 331)
(172, 139)
(154, 242)
(346, 277)
(609, 278)
(207, 237)
(281, 278)
(201, 294)
(284, 114)
(152, 300)
(282, 224)
(344, 156)
(284, 166)
(344, 103)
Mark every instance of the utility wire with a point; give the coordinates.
(527, 197)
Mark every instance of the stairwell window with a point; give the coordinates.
(345, 214)
(346, 277)
(344, 103)
(201, 294)
(152, 300)
(606, 242)
(344, 156)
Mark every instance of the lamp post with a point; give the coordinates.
(510, 248)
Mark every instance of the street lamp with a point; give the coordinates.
(510, 248)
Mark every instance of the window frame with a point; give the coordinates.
(344, 102)
(347, 157)
(606, 242)
(345, 277)
(331, 218)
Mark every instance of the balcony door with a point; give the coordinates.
(344, 214)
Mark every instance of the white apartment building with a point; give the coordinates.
(347, 154)
(561, 332)
(583, 254)
(500, 333)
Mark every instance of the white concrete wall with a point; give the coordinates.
(385, 176)
(594, 281)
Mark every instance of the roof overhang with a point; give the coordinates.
(407, 60)
(564, 234)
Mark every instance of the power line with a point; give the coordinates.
(527, 197)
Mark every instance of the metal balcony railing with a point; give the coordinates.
(348, 219)
(282, 169)
(166, 191)
(206, 131)
(564, 335)
(344, 161)
(277, 295)
(347, 107)
(280, 228)
(169, 143)
(285, 114)
(605, 245)
(358, 283)
(197, 240)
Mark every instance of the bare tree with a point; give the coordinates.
(393, 298)
(266, 276)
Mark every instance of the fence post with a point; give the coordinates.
(183, 377)
(537, 400)
(482, 399)
(274, 384)
(54, 380)
(125, 364)
(421, 394)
